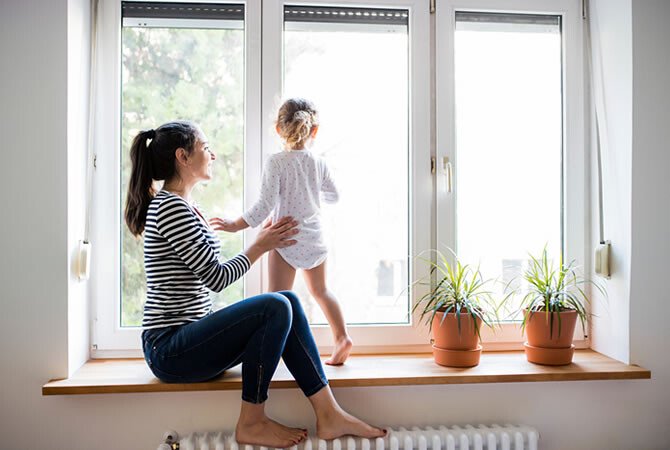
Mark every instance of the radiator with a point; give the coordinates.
(494, 437)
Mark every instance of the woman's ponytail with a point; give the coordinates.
(155, 161)
(140, 185)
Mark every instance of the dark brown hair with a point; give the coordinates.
(295, 120)
(154, 161)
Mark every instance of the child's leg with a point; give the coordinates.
(316, 283)
(282, 274)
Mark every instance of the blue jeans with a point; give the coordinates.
(255, 332)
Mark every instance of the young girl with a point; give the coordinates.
(294, 182)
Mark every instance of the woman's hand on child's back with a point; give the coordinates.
(277, 235)
(273, 235)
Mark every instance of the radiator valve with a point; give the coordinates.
(170, 441)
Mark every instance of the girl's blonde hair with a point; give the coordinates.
(295, 120)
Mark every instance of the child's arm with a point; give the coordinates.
(269, 197)
(231, 226)
(328, 188)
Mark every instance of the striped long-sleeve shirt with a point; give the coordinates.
(181, 260)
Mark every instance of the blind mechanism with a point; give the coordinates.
(197, 11)
(346, 15)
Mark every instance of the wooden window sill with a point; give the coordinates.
(108, 376)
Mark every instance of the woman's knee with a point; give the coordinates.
(278, 305)
(290, 296)
(293, 299)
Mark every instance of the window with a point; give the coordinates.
(302, 44)
(509, 140)
(510, 147)
(353, 63)
(508, 128)
(180, 61)
(203, 62)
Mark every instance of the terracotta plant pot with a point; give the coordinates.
(545, 344)
(457, 358)
(549, 356)
(452, 348)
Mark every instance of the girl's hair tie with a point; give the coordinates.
(301, 114)
(150, 134)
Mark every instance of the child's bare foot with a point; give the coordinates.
(341, 423)
(268, 433)
(341, 351)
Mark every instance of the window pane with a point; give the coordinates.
(357, 75)
(184, 73)
(508, 140)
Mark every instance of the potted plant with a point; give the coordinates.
(552, 303)
(455, 308)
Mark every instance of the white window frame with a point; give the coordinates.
(372, 338)
(431, 212)
(574, 158)
(108, 339)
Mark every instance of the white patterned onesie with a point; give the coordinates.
(294, 183)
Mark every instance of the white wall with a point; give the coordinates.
(78, 57)
(651, 197)
(35, 287)
(34, 275)
(611, 31)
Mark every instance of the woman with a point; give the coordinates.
(183, 340)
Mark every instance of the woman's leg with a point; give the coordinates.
(302, 359)
(316, 283)
(282, 274)
(255, 428)
(333, 422)
(300, 352)
(252, 331)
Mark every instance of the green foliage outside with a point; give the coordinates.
(196, 75)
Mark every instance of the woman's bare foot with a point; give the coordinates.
(341, 351)
(340, 423)
(255, 428)
(268, 433)
(332, 421)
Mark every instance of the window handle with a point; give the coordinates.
(447, 174)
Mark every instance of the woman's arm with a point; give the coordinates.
(177, 223)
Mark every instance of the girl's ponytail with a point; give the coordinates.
(140, 185)
(298, 130)
(295, 120)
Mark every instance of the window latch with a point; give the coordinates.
(447, 175)
(445, 172)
